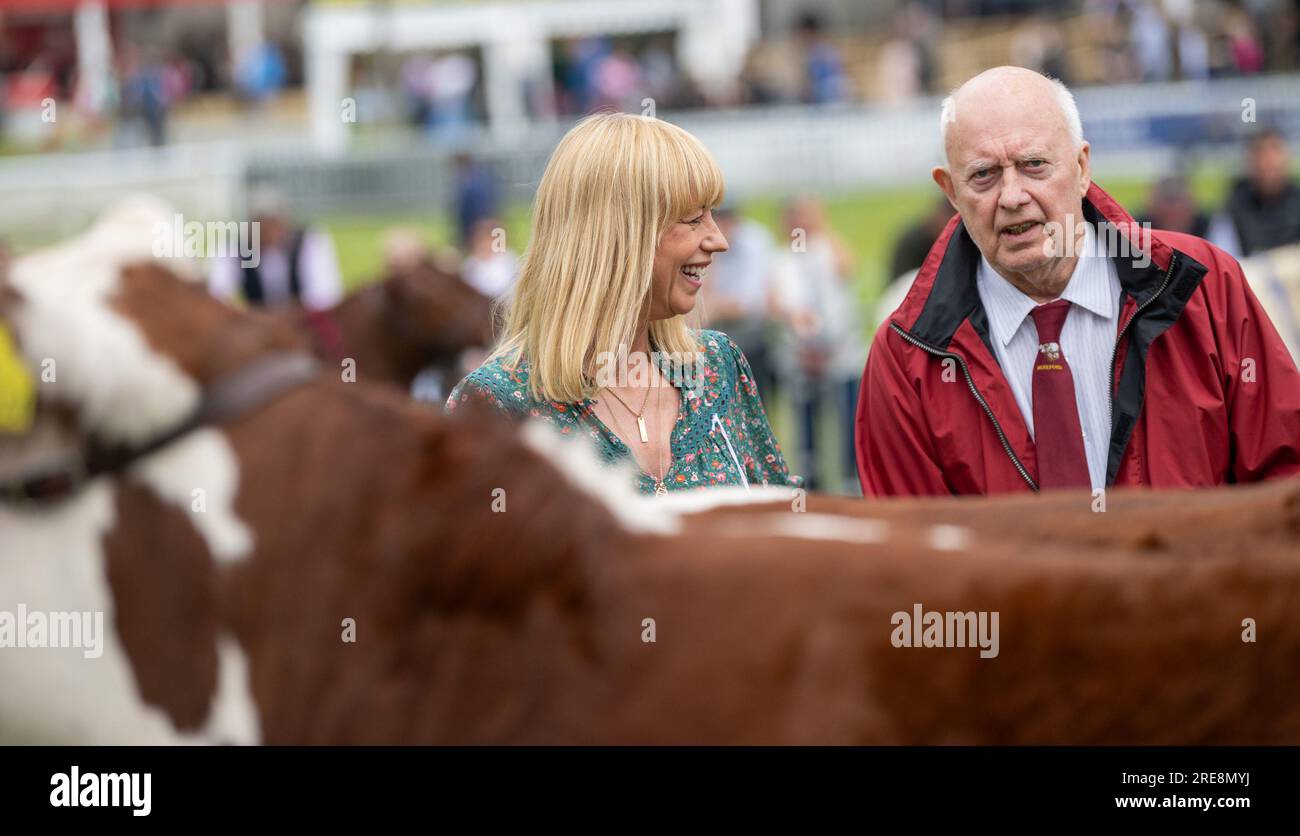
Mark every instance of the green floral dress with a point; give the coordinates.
(721, 436)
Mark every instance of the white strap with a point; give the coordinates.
(717, 422)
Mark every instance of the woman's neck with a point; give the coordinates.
(642, 341)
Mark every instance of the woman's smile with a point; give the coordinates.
(693, 274)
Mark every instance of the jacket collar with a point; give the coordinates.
(1089, 288)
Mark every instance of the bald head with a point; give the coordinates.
(1017, 171)
(1011, 84)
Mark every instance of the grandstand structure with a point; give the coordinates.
(304, 142)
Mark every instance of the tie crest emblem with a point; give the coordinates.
(1052, 351)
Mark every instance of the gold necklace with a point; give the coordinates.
(640, 419)
(660, 488)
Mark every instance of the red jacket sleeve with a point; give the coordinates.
(894, 451)
(1261, 382)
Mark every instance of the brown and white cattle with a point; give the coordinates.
(502, 588)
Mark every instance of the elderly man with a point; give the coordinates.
(1048, 342)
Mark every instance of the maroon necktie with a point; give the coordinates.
(1058, 436)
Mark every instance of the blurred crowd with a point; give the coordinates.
(809, 53)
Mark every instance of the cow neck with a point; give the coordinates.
(232, 395)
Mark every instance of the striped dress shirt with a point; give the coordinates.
(1087, 341)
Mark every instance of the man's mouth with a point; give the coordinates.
(694, 273)
(1020, 230)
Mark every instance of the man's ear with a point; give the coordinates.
(1085, 168)
(944, 179)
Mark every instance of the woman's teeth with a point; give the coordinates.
(696, 273)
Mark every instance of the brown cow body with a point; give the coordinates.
(527, 624)
(392, 329)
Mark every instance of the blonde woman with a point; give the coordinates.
(596, 340)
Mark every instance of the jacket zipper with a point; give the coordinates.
(970, 382)
(1110, 381)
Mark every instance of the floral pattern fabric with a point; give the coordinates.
(721, 436)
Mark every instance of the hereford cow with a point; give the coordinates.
(281, 557)
(417, 316)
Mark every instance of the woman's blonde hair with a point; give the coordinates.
(613, 185)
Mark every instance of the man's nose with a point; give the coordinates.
(1013, 194)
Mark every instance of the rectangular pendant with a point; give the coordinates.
(640, 425)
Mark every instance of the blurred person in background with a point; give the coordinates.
(1244, 44)
(1151, 41)
(617, 81)
(295, 263)
(914, 244)
(822, 349)
(1190, 43)
(1264, 205)
(1171, 206)
(475, 197)
(576, 72)
(906, 63)
(735, 299)
(451, 82)
(1039, 45)
(826, 82)
(260, 73)
(490, 266)
(1111, 24)
(145, 98)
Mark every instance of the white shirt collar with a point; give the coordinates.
(1089, 288)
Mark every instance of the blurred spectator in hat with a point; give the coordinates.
(1171, 206)
(822, 350)
(737, 290)
(293, 263)
(491, 266)
(476, 197)
(1264, 206)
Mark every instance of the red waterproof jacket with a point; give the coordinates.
(1204, 391)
